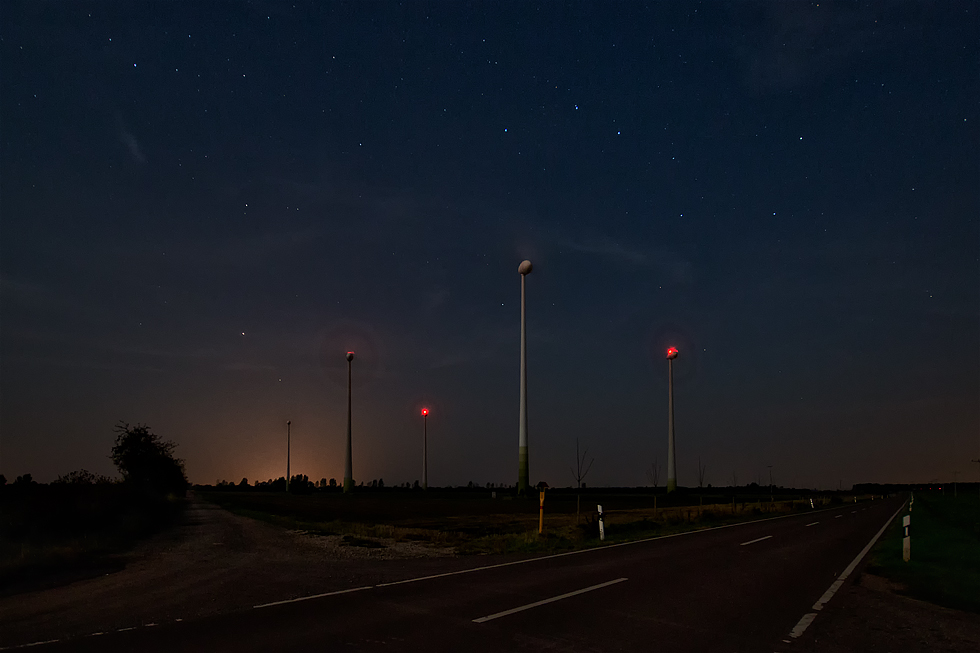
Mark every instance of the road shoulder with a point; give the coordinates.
(869, 614)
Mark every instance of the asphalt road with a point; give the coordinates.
(739, 588)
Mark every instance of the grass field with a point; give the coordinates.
(473, 523)
(945, 561)
(52, 534)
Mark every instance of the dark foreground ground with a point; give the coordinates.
(734, 588)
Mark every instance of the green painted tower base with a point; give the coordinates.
(522, 473)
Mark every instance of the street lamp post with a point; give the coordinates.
(288, 422)
(425, 448)
(671, 459)
(522, 467)
(771, 495)
(349, 465)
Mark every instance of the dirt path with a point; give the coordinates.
(213, 561)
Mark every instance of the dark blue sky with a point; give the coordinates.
(204, 205)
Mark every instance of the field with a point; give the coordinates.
(53, 534)
(945, 561)
(472, 522)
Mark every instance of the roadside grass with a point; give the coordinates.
(480, 527)
(944, 566)
(51, 534)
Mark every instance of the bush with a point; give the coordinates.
(147, 463)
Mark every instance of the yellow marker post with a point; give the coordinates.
(541, 512)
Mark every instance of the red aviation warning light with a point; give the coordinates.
(425, 412)
(672, 353)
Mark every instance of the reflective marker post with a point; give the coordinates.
(602, 527)
(906, 541)
(541, 512)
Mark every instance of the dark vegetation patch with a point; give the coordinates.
(945, 550)
(352, 540)
(52, 534)
(81, 524)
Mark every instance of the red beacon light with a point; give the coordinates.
(672, 353)
(425, 412)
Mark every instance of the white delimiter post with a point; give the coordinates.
(906, 541)
(522, 466)
(671, 461)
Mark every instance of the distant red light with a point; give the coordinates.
(672, 353)
(425, 411)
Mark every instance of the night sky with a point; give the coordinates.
(203, 206)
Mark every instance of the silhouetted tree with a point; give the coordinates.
(26, 479)
(653, 473)
(243, 483)
(300, 484)
(333, 482)
(3, 480)
(579, 474)
(147, 462)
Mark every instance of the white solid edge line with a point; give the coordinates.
(597, 548)
(813, 524)
(10, 648)
(545, 601)
(755, 540)
(829, 594)
(315, 596)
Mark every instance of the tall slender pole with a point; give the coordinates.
(671, 458)
(522, 464)
(287, 454)
(349, 466)
(425, 449)
(771, 497)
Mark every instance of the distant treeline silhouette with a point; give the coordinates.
(301, 484)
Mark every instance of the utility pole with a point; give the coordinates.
(522, 465)
(349, 465)
(771, 496)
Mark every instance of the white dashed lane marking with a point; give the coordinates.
(546, 601)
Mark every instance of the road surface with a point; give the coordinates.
(747, 587)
